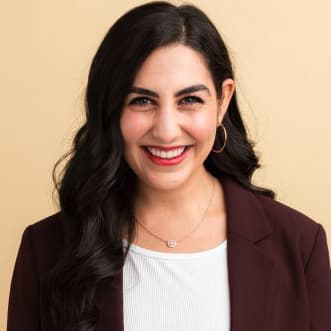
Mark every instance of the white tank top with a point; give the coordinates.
(176, 291)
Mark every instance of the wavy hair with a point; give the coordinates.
(96, 187)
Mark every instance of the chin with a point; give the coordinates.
(165, 181)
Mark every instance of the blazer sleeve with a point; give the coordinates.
(318, 280)
(23, 305)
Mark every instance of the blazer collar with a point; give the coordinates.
(251, 273)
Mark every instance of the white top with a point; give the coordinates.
(176, 291)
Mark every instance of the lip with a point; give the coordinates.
(166, 162)
(166, 148)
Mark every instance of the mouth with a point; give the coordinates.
(166, 148)
(167, 161)
(145, 147)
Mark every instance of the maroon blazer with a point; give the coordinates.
(278, 263)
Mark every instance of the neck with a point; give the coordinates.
(181, 207)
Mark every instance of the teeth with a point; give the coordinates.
(168, 154)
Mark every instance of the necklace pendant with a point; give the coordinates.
(171, 243)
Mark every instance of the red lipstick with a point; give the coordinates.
(166, 162)
(166, 148)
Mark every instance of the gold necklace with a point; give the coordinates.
(173, 243)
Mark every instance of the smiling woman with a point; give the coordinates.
(161, 227)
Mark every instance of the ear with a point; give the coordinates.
(228, 87)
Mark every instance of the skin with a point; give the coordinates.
(171, 200)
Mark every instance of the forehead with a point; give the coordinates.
(172, 67)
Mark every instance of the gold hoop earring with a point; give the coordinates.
(225, 139)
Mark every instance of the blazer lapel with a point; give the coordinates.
(251, 272)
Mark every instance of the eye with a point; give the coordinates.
(145, 101)
(139, 101)
(193, 99)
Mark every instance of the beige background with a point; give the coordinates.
(281, 54)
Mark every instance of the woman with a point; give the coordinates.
(160, 226)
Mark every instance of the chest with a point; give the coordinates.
(184, 291)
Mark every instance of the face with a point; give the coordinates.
(172, 103)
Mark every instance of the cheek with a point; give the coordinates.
(132, 127)
(203, 128)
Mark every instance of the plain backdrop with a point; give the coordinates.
(281, 53)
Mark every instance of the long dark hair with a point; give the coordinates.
(97, 186)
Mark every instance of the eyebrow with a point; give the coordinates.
(186, 90)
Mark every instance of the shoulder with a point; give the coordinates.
(49, 223)
(47, 231)
(291, 226)
(284, 216)
(43, 239)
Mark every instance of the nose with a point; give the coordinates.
(166, 127)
